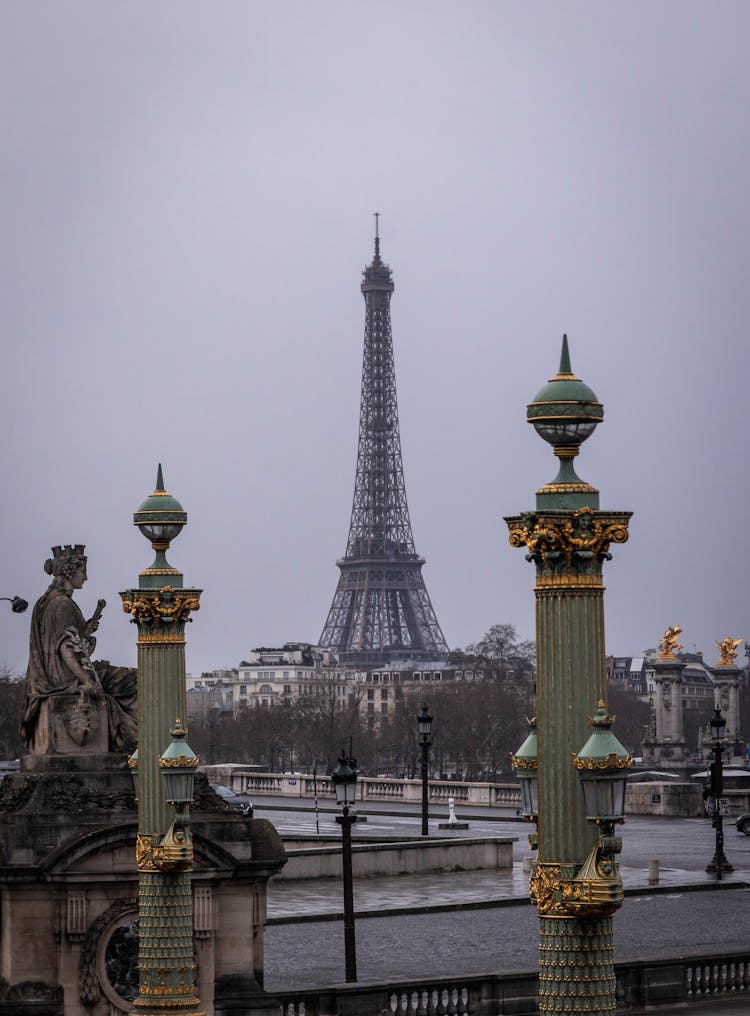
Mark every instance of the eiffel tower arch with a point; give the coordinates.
(381, 609)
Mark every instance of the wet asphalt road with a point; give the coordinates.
(504, 938)
(498, 940)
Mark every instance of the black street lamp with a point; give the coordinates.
(344, 780)
(424, 722)
(714, 801)
(17, 605)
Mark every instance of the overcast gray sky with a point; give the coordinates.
(186, 199)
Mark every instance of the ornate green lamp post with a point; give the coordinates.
(164, 765)
(575, 883)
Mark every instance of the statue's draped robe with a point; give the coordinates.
(54, 614)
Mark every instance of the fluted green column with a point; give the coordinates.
(567, 537)
(160, 607)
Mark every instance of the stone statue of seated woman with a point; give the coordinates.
(73, 704)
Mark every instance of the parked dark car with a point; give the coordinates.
(743, 823)
(233, 800)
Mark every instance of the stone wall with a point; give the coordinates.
(401, 858)
(678, 800)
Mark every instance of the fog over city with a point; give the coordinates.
(187, 195)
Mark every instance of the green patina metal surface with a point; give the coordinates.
(565, 389)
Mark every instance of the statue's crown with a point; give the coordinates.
(69, 550)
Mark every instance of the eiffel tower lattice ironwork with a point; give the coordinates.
(381, 610)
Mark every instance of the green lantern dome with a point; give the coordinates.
(160, 519)
(161, 516)
(565, 412)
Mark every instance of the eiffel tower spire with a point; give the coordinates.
(381, 610)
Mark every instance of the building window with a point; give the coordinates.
(370, 707)
(384, 693)
(384, 708)
(370, 694)
(265, 689)
(287, 689)
(243, 689)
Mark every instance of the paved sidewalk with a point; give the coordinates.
(306, 899)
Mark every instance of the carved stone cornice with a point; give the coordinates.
(574, 544)
(160, 610)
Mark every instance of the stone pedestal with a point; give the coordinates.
(727, 681)
(69, 890)
(668, 747)
(72, 724)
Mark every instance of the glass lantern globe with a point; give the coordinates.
(565, 412)
(177, 766)
(718, 724)
(602, 766)
(424, 723)
(525, 767)
(344, 780)
(160, 517)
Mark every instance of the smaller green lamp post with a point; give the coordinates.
(527, 773)
(177, 765)
(602, 766)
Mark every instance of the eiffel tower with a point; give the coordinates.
(381, 610)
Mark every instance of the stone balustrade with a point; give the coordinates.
(668, 798)
(369, 788)
(643, 984)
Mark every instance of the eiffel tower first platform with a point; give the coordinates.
(381, 609)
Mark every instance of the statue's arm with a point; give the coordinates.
(77, 661)
(93, 622)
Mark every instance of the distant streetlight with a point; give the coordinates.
(17, 605)
(344, 780)
(424, 723)
(714, 802)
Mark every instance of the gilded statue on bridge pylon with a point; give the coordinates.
(727, 651)
(668, 644)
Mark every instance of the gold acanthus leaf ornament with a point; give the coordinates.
(164, 606)
(582, 534)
